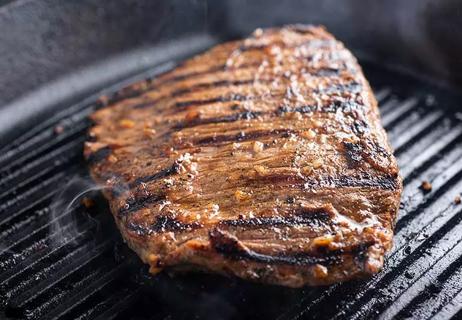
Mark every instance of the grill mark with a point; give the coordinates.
(353, 87)
(165, 224)
(133, 203)
(130, 92)
(99, 155)
(242, 136)
(173, 169)
(360, 127)
(347, 106)
(333, 107)
(230, 247)
(247, 115)
(215, 84)
(299, 217)
(193, 88)
(232, 97)
(221, 67)
(162, 224)
(353, 153)
(386, 182)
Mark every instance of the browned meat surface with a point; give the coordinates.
(262, 158)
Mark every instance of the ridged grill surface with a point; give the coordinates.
(71, 263)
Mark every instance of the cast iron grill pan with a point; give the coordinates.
(72, 264)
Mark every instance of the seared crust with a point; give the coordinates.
(262, 158)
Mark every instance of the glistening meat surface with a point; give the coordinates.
(262, 158)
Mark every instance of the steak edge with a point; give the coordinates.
(262, 158)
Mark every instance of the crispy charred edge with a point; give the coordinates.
(299, 216)
(99, 155)
(162, 224)
(230, 247)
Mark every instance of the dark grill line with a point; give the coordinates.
(246, 115)
(385, 182)
(173, 169)
(348, 106)
(196, 103)
(305, 217)
(133, 204)
(230, 247)
(242, 136)
(195, 88)
(352, 87)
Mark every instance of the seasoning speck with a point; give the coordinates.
(87, 202)
(457, 200)
(426, 186)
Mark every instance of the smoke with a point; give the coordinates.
(70, 210)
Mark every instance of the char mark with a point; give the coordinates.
(162, 224)
(233, 97)
(173, 169)
(133, 203)
(165, 224)
(243, 136)
(333, 107)
(247, 115)
(216, 68)
(302, 216)
(352, 87)
(230, 247)
(360, 127)
(353, 154)
(385, 182)
(215, 84)
(195, 88)
(99, 155)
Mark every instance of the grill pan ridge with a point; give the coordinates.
(89, 274)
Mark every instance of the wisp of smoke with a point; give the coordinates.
(65, 220)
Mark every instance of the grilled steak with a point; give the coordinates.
(262, 158)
